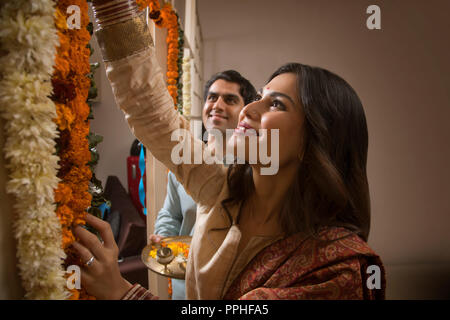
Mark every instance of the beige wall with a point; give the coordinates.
(110, 123)
(402, 75)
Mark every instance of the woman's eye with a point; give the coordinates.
(278, 105)
(258, 97)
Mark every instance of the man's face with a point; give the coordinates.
(223, 105)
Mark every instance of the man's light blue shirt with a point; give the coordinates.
(176, 218)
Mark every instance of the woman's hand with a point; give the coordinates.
(101, 278)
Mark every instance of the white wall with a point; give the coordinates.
(402, 75)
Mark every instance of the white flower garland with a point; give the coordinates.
(29, 37)
(187, 103)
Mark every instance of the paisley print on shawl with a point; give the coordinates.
(295, 265)
(356, 244)
(299, 268)
(326, 290)
(268, 261)
(331, 252)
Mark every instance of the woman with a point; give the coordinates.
(298, 234)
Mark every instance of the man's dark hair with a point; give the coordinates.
(247, 91)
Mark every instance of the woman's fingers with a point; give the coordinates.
(102, 277)
(103, 228)
(90, 241)
(91, 267)
(84, 254)
(87, 279)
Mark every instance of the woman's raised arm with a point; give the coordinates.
(140, 91)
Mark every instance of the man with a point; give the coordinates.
(226, 93)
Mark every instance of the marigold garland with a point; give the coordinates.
(166, 17)
(180, 83)
(71, 86)
(28, 37)
(170, 21)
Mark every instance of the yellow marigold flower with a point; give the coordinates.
(60, 19)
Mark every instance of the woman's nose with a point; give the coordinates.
(252, 110)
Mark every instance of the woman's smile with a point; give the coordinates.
(245, 129)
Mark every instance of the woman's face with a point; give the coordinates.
(277, 107)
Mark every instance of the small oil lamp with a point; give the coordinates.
(164, 256)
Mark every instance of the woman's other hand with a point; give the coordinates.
(100, 276)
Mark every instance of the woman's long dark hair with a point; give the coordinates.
(331, 187)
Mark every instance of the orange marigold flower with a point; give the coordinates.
(71, 68)
(75, 294)
(65, 215)
(63, 193)
(65, 116)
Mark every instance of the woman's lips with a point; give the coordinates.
(245, 125)
(245, 129)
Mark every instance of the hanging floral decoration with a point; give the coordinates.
(166, 17)
(71, 86)
(28, 39)
(187, 87)
(180, 83)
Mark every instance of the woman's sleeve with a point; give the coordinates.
(140, 92)
(138, 292)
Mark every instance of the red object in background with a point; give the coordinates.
(134, 178)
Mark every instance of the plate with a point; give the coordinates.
(175, 269)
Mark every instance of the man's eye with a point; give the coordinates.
(212, 98)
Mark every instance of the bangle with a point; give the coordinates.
(114, 12)
(124, 38)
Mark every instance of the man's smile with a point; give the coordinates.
(217, 117)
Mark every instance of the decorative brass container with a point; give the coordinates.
(165, 263)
